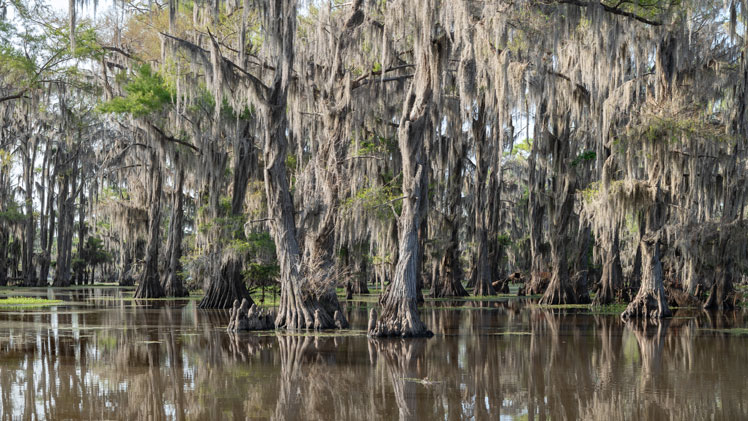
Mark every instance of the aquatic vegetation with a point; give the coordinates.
(27, 302)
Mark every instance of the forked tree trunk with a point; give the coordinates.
(300, 305)
(399, 316)
(150, 284)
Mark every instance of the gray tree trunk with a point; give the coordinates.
(399, 316)
(172, 282)
(150, 285)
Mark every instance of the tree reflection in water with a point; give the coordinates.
(171, 361)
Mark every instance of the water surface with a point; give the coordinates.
(103, 356)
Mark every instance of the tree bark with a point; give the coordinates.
(81, 235)
(612, 277)
(536, 207)
(66, 205)
(172, 282)
(227, 285)
(448, 282)
(399, 315)
(482, 268)
(150, 285)
(29, 271)
(650, 302)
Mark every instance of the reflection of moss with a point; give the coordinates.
(27, 302)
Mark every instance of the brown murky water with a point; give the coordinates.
(105, 358)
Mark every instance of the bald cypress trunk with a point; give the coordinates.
(650, 302)
(537, 210)
(80, 271)
(172, 281)
(46, 220)
(4, 232)
(482, 272)
(29, 271)
(399, 316)
(612, 276)
(66, 206)
(448, 282)
(149, 285)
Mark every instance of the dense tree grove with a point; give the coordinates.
(598, 148)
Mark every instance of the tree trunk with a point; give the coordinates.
(227, 285)
(536, 209)
(301, 305)
(172, 282)
(150, 285)
(66, 205)
(448, 280)
(561, 290)
(612, 277)
(81, 234)
(651, 302)
(3, 257)
(46, 193)
(399, 316)
(29, 271)
(482, 282)
(125, 278)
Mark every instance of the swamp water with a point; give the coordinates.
(102, 355)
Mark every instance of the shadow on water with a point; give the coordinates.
(102, 357)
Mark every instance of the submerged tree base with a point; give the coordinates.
(452, 288)
(310, 313)
(399, 319)
(647, 305)
(557, 294)
(149, 287)
(227, 287)
(722, 297)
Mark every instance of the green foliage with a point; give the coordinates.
(380, 200)
(523, 148)
(12, 214)
(94, 253)
(585, 156)
(147, 93)
(375, 145)
(291, 162)
(504, 240)
(262, 274)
